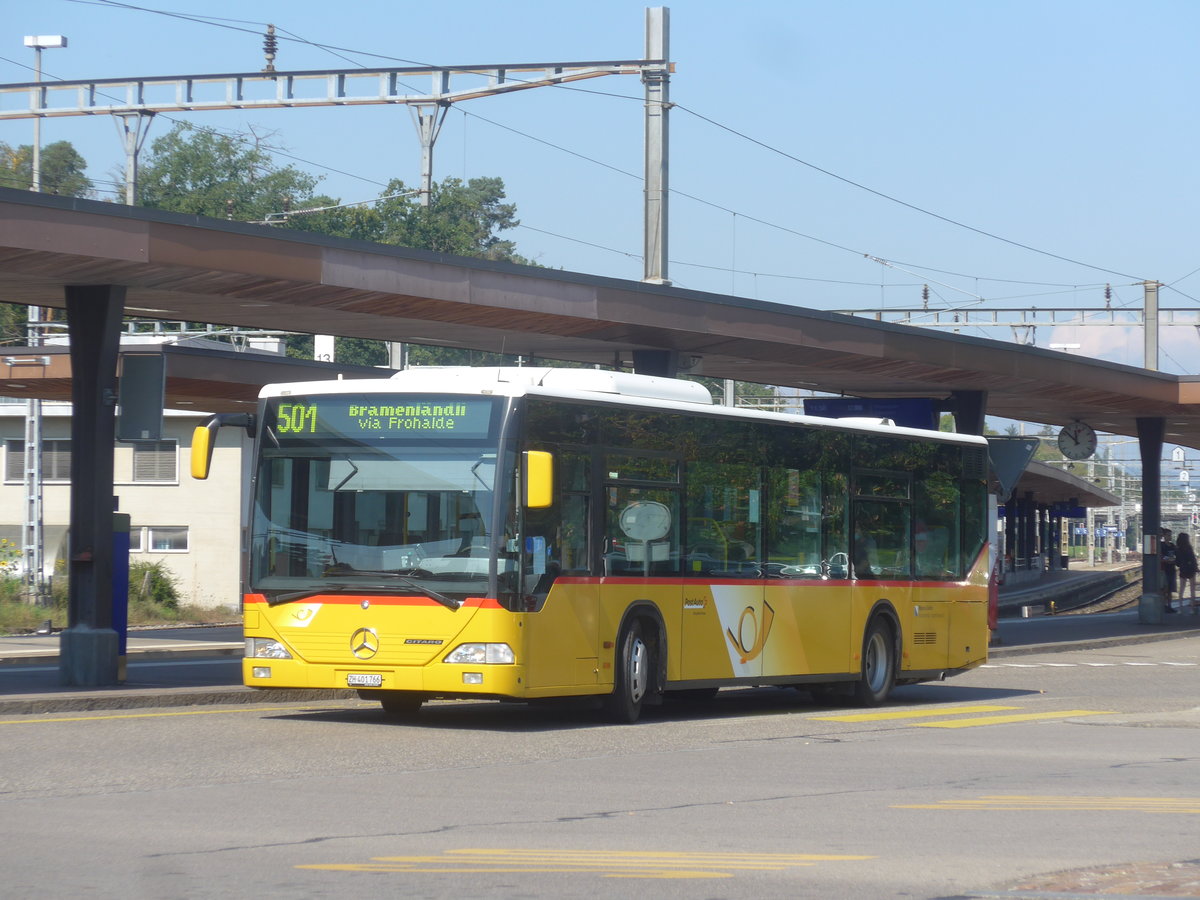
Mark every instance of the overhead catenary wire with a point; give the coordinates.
(239, 26)
(896, 200)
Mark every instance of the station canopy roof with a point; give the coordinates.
(1048, 485)
(193, 269)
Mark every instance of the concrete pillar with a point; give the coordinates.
(89, 649)
(969, 408)
(1150, 443)
(664, 363)
(1012, 547)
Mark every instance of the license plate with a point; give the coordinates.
(364, 680)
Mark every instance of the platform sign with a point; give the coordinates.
(1009, 457)
(141, 391)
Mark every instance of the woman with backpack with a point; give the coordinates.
(1166, 560)
(1185, 559)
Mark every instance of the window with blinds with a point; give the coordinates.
(56, 460)
(154, 461)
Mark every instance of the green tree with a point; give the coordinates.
(194, 170)
(61, 169)
(462, 218)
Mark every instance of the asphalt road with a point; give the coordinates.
(1036, 764)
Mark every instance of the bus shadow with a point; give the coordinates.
(573, 714)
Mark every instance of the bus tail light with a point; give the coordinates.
(485, 654)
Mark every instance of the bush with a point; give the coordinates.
(11, 588)
(151, 583)
(153, 600)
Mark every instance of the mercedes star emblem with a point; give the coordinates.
(364, 643)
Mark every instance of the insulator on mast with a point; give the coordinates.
(270, 47)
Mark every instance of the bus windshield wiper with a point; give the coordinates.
(346, 587)
(353, 472)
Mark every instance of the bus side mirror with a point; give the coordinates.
(539, 479)
(204, 438)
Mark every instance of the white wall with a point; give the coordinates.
(208, 571)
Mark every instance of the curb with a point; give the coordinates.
(122, 698)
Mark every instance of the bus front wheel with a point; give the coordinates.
(632, 673)
(878, 665)
(398, 703)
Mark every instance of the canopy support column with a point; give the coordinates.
(89, 647)
(1150, 442)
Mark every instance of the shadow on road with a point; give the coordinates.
(565, 715)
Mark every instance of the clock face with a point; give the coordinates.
(1077, 441)
(645, 520)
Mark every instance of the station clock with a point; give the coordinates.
(1077, 440)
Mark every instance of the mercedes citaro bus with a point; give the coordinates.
(530, 533)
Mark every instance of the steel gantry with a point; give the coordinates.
(136, 100)
(1024, 321)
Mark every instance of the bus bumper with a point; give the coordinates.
(440, 679)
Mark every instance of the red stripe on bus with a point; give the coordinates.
(793, 582)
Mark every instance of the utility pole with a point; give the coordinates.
(39, 42)
(33, 556)
(657, 79)
(1150, 324)
(132, 128)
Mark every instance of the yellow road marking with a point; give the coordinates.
(1005, 720)
(528, 870)
(610, 864)
(910, 713)
(1022, 803)
(34, 719)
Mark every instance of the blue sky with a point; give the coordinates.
(1068, 127)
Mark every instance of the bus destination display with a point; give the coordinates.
(382, 416)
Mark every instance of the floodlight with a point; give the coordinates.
(45, 41)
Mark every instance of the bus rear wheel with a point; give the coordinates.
(633, 666)
(878, 665)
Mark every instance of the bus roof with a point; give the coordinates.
(593, 385)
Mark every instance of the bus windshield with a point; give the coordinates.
(374, 494)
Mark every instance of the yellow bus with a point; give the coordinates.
(529, 533)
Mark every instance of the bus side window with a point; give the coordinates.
(555, 538)
(836, 543)
(642, 531)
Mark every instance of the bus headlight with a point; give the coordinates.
(481, 654)
(266, 648)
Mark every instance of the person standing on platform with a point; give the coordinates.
(1166, 559)
(1185, 559)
